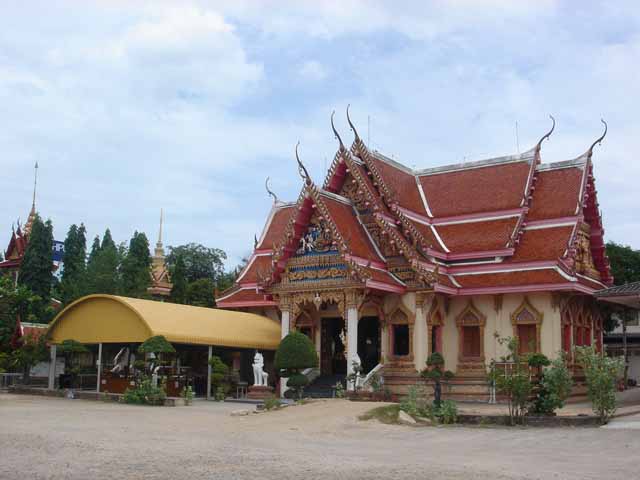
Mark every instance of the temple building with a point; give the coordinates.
(383, 265)
(160, 288)
(17, 247)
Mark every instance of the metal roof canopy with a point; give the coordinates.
(627, 295)
(111, 319)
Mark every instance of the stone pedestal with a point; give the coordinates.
(259, 393)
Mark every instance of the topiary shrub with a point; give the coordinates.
(145, 393)
(219, 377)
(295, 353)
(156, 345)
(70, 349)
(554, 388)
(435, 373)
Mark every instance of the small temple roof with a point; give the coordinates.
(112, 319)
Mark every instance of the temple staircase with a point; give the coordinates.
(324, 386)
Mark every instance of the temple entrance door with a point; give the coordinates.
(369, 343)
(332, 360)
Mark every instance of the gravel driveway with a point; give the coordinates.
(50, 438)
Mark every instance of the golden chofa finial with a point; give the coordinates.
(548, 134)
(335, 132)
(269, 191)
(353, 128)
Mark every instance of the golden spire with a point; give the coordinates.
(32, 213)
(158, 256)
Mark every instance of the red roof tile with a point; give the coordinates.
(510, 279)
(261, 265)
(402, 184)
(248, 297)
(542, 244)
(344, 217)
(276, 227)
(474, 190)
(556, 193)
(477, 236)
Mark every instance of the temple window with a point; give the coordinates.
(400, 334)
(527, 322)
(434, 323)
(471, 323)
(401, 340)
(471, 341)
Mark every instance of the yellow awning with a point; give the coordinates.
(113, 319)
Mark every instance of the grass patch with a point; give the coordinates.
(387, 414)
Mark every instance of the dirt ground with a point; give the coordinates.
(51, 438)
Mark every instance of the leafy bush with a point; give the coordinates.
(272, 403)
(156, 345)
(297, 382)
(219, 377)
(513, 381)
(376, 383)
(602, 374)
(295, 353)
(555, 387)
(70, 349)
(538, 360)
(435, 373)
(187, 394)
(447, 413)
(415, 403)
(145, 393)
(339, 390)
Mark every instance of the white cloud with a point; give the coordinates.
(313, 70)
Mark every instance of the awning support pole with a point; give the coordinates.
(52, 367)
(209, 372)
(99, 366)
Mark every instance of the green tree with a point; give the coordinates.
(70, 349)
(512, 380)
(602, 374)
(179, 282)
(136, 267)
(435, 372)
(625, 263)
(219, 378)
(200, 293)
(33, 350)
(199, 261)
(37, 265)
(73, 282)
(15, 301)
(103, 266)
(554, 387)
(295, 353)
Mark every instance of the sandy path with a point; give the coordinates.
(45, 438)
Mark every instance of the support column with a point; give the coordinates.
(352, 332)
(52, 367)
(209, 355)
(420, 336)
(99, 367)
(284, 331)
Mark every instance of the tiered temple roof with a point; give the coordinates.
(508, 224)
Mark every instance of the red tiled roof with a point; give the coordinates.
(260, 265)
(248, 296)
(510, 279)
(277, 225)
(477, 236)
(402, 184)
(542, 244)
(344, 217)
(427, 234)
(474, 190)
(556, 193)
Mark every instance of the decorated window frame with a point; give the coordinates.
(535, 317)
(470, 316)
(400, 315)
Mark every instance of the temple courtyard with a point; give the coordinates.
(51, 438)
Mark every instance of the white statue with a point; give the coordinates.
(259, 375)
(120, 360)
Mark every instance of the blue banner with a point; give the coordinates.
(58, 251)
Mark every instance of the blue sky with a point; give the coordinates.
(132, 106)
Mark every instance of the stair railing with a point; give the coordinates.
(366, 381)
